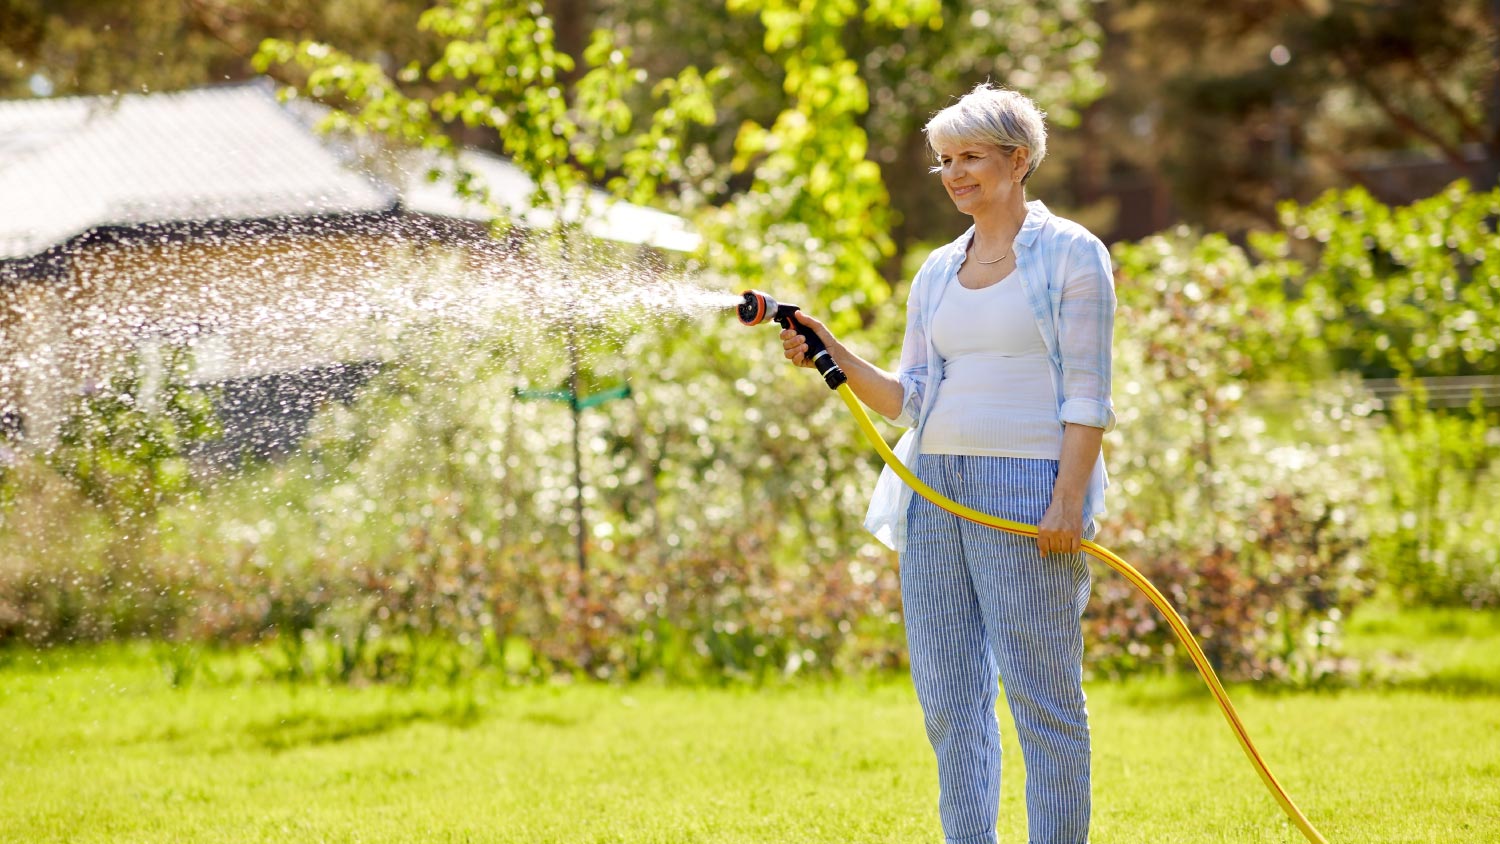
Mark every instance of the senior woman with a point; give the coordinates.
(1005, 380)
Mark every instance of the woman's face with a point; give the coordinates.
(980, 176)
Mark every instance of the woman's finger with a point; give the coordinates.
(1052, 541)
(795, 349)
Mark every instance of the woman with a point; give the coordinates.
(1005, 380)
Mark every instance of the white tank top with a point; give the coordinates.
(996, 398)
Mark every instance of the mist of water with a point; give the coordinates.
(289, 302)
(370, 386)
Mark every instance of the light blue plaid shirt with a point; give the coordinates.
(1069, 281)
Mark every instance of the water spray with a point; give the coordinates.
(757, 307)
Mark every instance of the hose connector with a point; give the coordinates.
(757, 307)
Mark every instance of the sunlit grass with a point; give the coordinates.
(1447, 648)
(97, 746)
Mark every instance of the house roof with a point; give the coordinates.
(69, 165)
(225, 153)
(511, 189)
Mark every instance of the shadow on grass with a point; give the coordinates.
(550, 719)
(305, 729)
(1155, 691)
(1170, 692)
(1454, 683)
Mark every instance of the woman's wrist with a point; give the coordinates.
(1068, 498)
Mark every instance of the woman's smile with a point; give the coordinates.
(975, 173)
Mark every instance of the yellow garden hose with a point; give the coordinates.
(1109, 558)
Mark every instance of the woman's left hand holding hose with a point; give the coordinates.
(1061, 528)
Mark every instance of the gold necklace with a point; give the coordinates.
(987, 263)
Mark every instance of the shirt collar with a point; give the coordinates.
(1036, 217)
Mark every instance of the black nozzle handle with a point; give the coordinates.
(817, 352)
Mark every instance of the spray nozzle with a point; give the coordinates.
(757, 307)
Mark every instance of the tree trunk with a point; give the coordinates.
(1489, 172)
(571, 22)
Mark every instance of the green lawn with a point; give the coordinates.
(96, 746)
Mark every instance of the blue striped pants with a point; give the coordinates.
(980, 604)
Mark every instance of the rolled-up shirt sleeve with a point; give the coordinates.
(913, 385)
(1085, 331)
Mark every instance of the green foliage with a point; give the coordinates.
(1413, 290)
(9, 457)
(1444, 476)
(799, 202)
(1194, 96)
(82, 532)
(428, 520)
(127, 448)
(1244, 507)
(856, 87)
(500, 70)
(455, 520)
(1049, 50)
(1350, 285)
(816, 209)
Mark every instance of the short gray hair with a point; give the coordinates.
(991, 115)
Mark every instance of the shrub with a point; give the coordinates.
(1412, 292)
(427, 529)
(1242, 503)
(1439, 512)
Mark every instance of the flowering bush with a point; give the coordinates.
(1242, 501)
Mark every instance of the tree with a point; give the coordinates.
(1239, 104)
(798, 198)
(891, 65)
(99, 47)
(884, 70)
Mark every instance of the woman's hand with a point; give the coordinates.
(1061, 528)
(793, 340)
(879, 389)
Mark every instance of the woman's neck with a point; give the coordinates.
(999, 227)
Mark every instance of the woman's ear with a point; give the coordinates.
(1019, 161)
